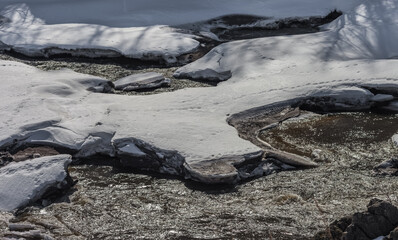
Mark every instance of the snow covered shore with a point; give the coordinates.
(26, 34)
(186, 131)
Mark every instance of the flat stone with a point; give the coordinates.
(141, 81)
(22, 183)
(382, 98)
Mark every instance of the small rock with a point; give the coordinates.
(104, 87)
(316, 154)
(387, 168)
(382, 98)
(5, 158)
(141, 81)
(36, 155)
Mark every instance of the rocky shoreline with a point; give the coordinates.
(299, 202)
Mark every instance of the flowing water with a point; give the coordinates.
(359, 139)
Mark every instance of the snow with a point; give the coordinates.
(24, 182)
(368, 31)
(55, 107)
(135, 28)
(30, 36)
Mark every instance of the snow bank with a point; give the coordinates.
(25, 182)
(29, 35)
(368, 31)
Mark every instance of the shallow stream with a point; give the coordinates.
(109, 203)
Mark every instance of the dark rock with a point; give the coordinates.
(206, 74)
(5, 158)
(383, 208)
(379, 220)
(371, 225)
(335, 230)
(134, 153)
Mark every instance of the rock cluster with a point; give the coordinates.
(380, 220)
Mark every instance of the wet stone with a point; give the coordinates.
(141, 81)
